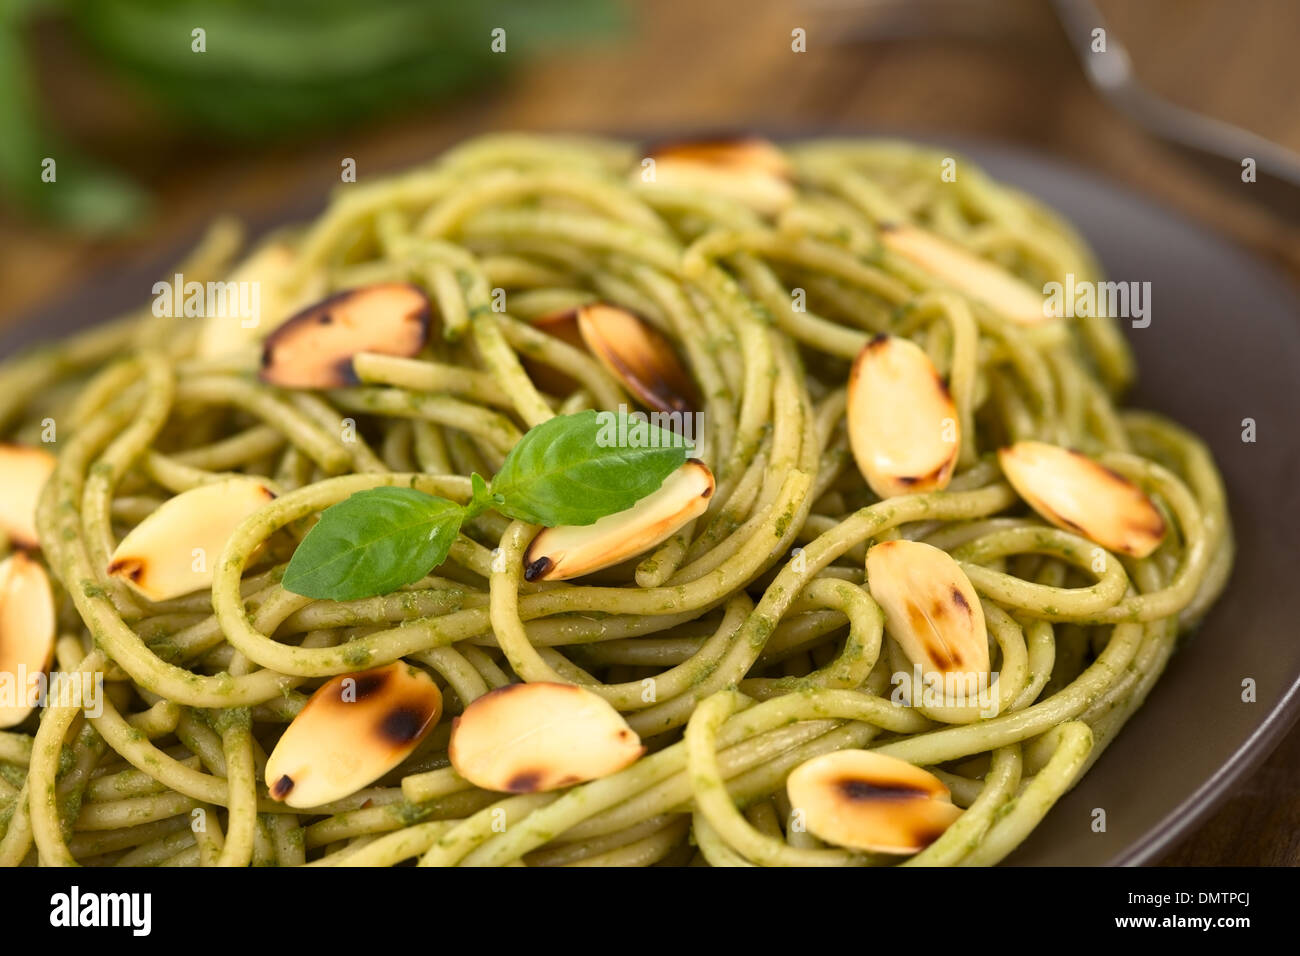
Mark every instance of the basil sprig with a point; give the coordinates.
(570, 470)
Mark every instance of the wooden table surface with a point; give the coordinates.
(1000, 72)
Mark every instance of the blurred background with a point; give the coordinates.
(153, 138)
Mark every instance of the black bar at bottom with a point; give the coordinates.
(339, 906)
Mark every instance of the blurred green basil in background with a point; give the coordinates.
(270, 70)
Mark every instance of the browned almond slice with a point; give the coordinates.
(930, 607)
(23, 473)
(355, 729)
(314, 348)
(902, 421)
(749, 169)
(963, 270)
(564, 326)
(1077, 494)
(227, 330)
(527, 738)
(174, 550)
(26, 633)
(639, 356)
(868, 801)
(568, 551)
(747, 152)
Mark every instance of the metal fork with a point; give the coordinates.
(1218, 147)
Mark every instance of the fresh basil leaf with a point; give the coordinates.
(575, 469)
(373, 542)
(481, 497)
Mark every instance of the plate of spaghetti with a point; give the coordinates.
(572, 501)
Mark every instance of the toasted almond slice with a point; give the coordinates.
(745, 152)
(26, 633)
(749, 169)
(902, 421)
(527, 738)
(558, 554)
(23, 473)
(564, 326)
(963, 270)
(314, 348)
(230, 332)
(174, 550)
(868, 801)
(355, 729)
(930, 607)
(638, 356)
(1077, 494)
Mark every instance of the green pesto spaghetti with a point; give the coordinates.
(882, 418)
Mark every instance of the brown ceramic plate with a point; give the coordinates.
(1223, 345)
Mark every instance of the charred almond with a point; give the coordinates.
(639, 356)
(930, 607)
(23, 473)
(173, 551)
(749, 169)
(26, 633)
(355, 729)
(966, 272)
(868, 801)
(1077, 494)
(527, 738)
(902, 422)
(557, 554)
(314, 348)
